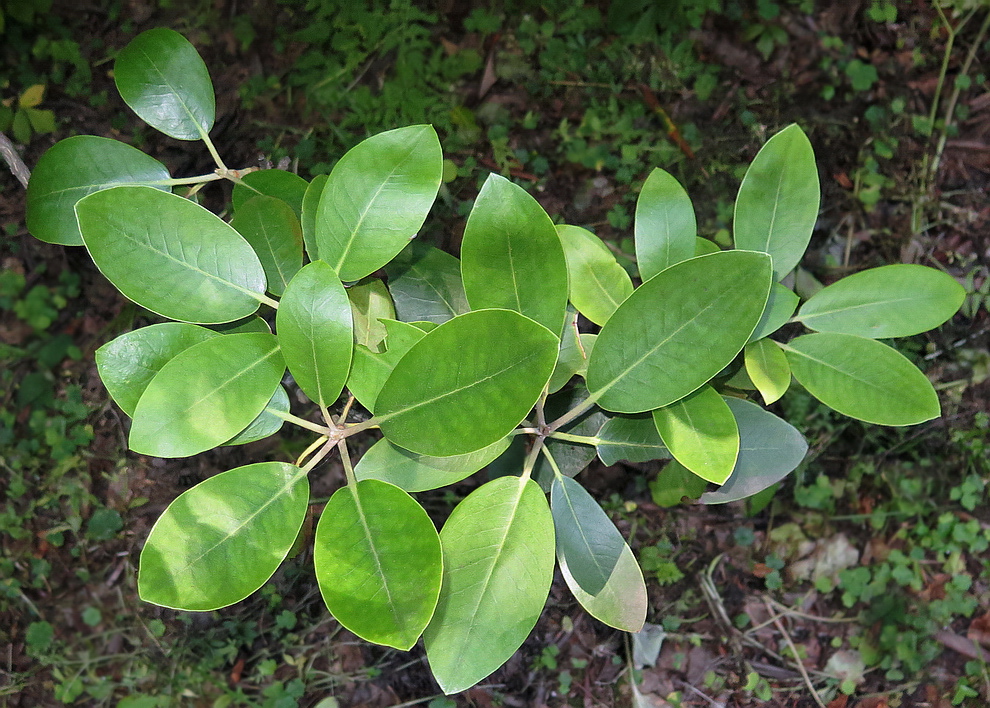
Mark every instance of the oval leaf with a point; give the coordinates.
(314, 328)
(206, 394)
(370, 370)
(370, 303)
(498, 563)
(75, 167)
(678, 330)
(862, 378)
(418, 473)
(701, 434)
(781, 305)
(161, 76)
(572, 360)
(587, 540)
(426, 284)
(307, 217)
(665, 226)
(170, 255)
(272, 229)
(675, 483)
(280, 184)
(598, 284)
(768, 369)
(267, 423)
(378, 563)
(777, 205)
(511, 256)
(467, 383)
(630, 438)
(769, 449)
(623, 602)
(129, 363)
(893, 301)
(223, 539)
(376, 199)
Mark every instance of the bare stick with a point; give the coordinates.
(14, 161)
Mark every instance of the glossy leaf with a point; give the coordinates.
(467, 383)
(206, 394)
(315, 332)
(378, 563)
(675, 483)
(862, 378)
(893, 301)
(370, 370)
(161, 76)
(777, 205)
(498, 563)
(75, 167)
(781, 305)
(630, 438)
(129, 363)
(419, 473)
(170, 255)
(768, 369)
(426, 284)
(587, 539)
(370, 303)
(376, 199)
(769, 449)
(251, 323)
(272, 229)
(597, 283)
(223, 539)
(678, 330)
(307, 217)
(623, 602)
(665, 226)
(511, 256)
(267, 423)
(700, 432)
(280, 184)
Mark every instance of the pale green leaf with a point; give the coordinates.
(781, 305)
(587, 539)
(665, 226)
(370, 370)
(768, 369)
(597, 283)
(370, 303)
(307, 217)
(700, 432)
(623, 602)
(267, 423)
(418, 473)
(280, 184)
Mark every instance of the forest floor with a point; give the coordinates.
(892, 524)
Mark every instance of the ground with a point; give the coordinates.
(870, 565)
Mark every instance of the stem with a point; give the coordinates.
(179, 181)
(319, 456)
(306, 453)
(213, 150)
(265, 300)
(580, 439)
(345, 458)
(347, 409)
(360, 427)
(553, 462)
(530, 462)
(301, 422)
(574, 413)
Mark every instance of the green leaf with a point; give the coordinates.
(170, 255)
(419, 473)
(630, 438)
(623, 602)
(587, 539)
(370, 370)
(251, 323)
(678, 330)
(665, 227)
(597, 282)
(307, 217)
(701, 434)
(702, 247)
(511, 256)
(161, 76)
(314, 328)
(778, 311)
(273, 231)
(862, 378)
(206, 394)
(266, 423)
(73, 168)
(223, 539)
(280, 184)
(42, 121)
(129, 363)
(376, 199)
(572, 358)
(467, 383)
(571, 457)
(378, 563)
(777, 204)
(426, 284)
(768, 369)
(893, 301)
(769, 449)
(674, 483)
(370, 303)
(498, 563)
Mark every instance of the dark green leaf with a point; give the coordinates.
(280, 184)
(307, 218)
(778, 311)
(674, 483)
(266, 423)
(273, 231)
(587, 539)
(630, 438)
(426, 284)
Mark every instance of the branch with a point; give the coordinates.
(14, 161)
